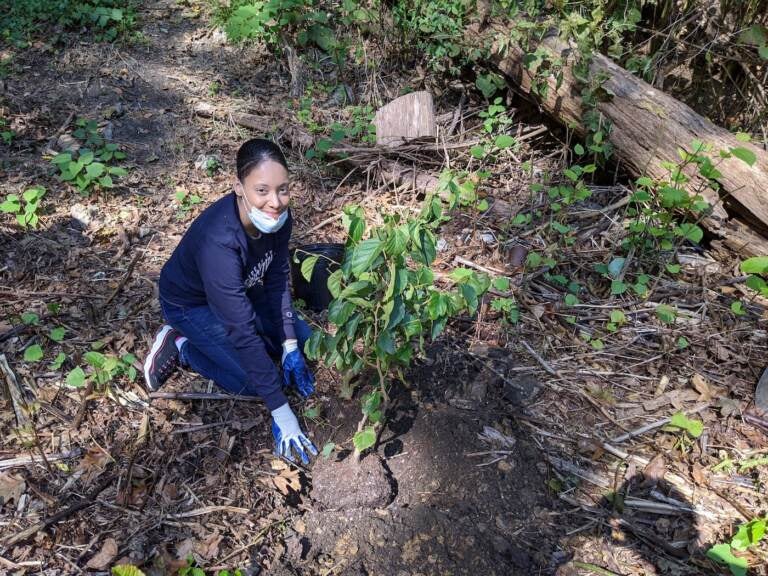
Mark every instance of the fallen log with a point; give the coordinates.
(647, 129)
(299, 138)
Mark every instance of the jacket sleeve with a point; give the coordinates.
(277, 285)
(220, 270)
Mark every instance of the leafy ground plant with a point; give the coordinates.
(25, 208)
(90, 167)
(190, 569)
(106, 20)
(757, 268)
(186, 201)
(688, 428)
(747, 535)
(101, 369)
(386, 305)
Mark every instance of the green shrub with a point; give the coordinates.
(22, 21)
(386, 303)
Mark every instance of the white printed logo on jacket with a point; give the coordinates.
(256, 275)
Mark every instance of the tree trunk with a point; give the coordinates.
(647, 129)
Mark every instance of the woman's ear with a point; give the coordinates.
(237, 186)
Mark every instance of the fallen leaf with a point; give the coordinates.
(722, 352)
(674, 397)
(277, 464)
(133, 494)
(170, 492)
(11, 488)
(538, 310)
(697, 471)
(104, 557)
(702, 387)
(654, 471)
(93, 463)
(143, 431)
(209, 548)
(185, 548)
(662, 385)
(479, 349)
(287, 481)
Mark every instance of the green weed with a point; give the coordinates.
(105, 20)
(25, 208)
(90, 167)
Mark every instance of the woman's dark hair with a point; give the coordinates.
(257, 150)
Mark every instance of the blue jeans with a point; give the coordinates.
(209, 351)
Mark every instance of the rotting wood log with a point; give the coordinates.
(647, 129)
(299, 138)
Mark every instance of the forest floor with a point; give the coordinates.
(155, 482)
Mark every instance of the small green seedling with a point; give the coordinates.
(6, 134)
(666, 313)
(126, 570)
(328, 450)
(212, 165)
(680, 421)
(617, 319)
(757, 268)
(33, 353)
(90, 167)
(57, 334)
(30, 318)
(102, 369)
(747, 465)
(747, 535)
(58, 362)
(186, 200)
(687, 428)
(25, 208)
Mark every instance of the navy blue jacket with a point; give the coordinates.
(217, 264)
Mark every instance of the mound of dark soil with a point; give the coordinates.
(440, 498)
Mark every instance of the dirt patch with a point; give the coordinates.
(461, 503)
(366, 484)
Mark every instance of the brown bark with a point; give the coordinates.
(647, 128)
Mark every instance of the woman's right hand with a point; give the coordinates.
(289, 436)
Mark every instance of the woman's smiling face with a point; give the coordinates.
(265, 188)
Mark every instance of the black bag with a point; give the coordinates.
(315, 293)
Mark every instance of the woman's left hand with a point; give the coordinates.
(295, 370)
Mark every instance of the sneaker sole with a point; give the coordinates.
(160, 340)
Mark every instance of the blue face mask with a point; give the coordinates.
(264, 223)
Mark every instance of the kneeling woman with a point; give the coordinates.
(226, 298)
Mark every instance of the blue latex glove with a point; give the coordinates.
(295, 370)
(288, 435)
